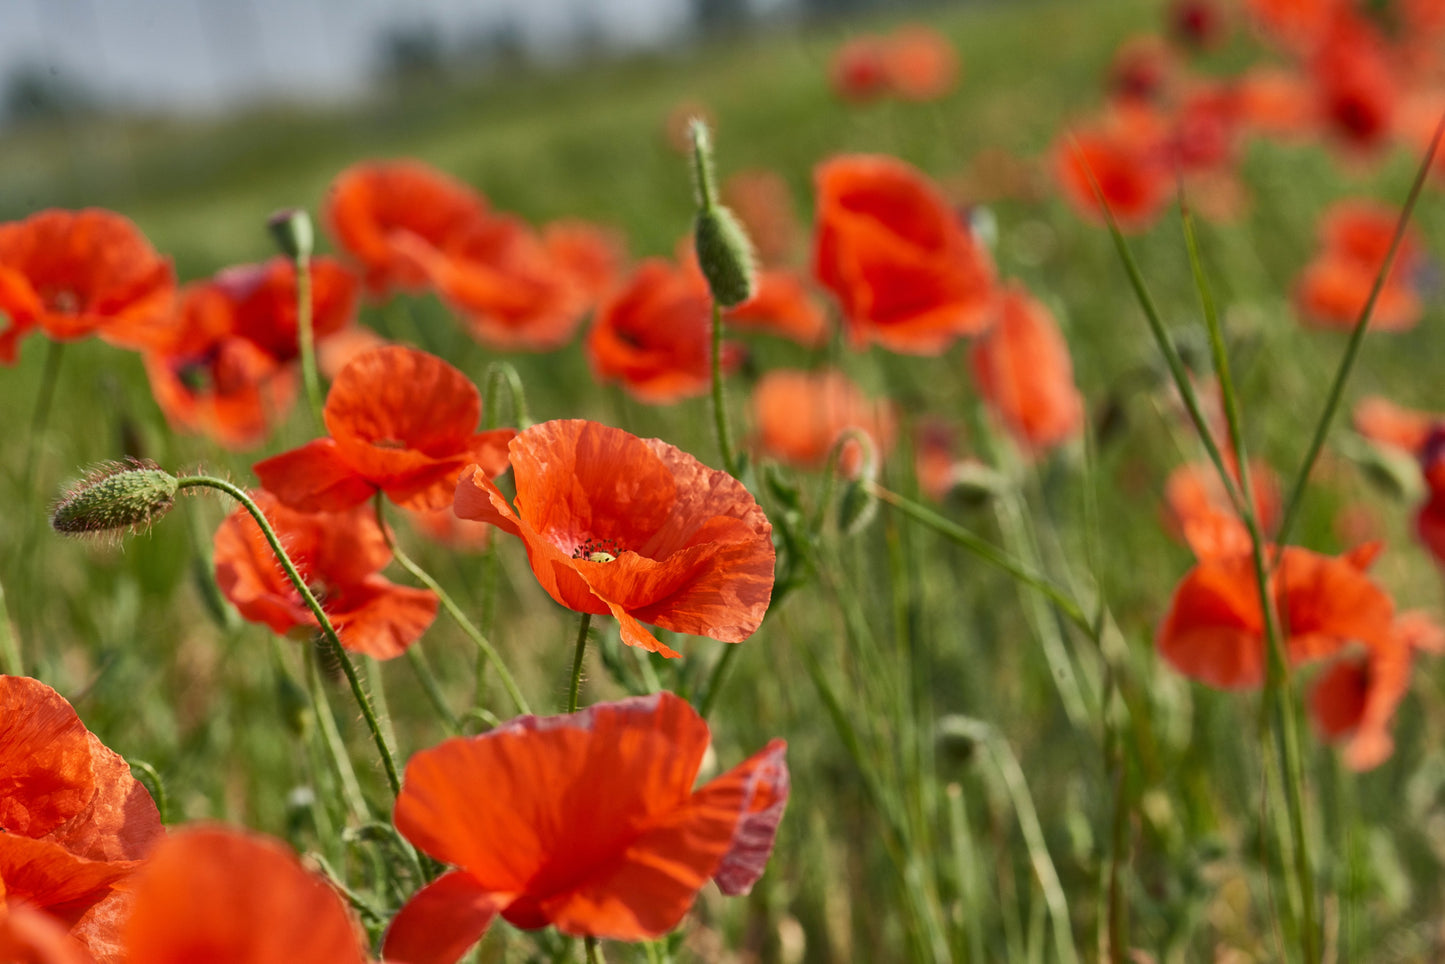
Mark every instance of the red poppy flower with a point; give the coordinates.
(781, 305)
(1143, 69)
(921, 63)
(1355, 698)
(1023, 371)
(1126, 162)
(903, 265)
(587, 822)
(1355, 237)
(339, 555)
(1385, 423)
(655, 335)
(1300, 25)
(1197, 508)
(513, 290)
(1276, 101)
(75, 822)
(224, 367)
(762, 201)
(798, 417)
(401, 421)
(633, 527)
(229, 897)
(371, 206)
(858, 71)
(76, 273)
(1355, 83)
(1199, 23)
(1214, 630)
(28, 936)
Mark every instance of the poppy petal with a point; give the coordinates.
(441, 921)
(766, 788)
(313, 478)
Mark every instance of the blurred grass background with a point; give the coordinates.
(903, 842)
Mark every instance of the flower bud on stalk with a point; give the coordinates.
(115, 495)
(724, 252)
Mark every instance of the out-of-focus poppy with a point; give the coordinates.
(29, 936)
(75, 273)
(1214, 631)
(587, 822)
(1333, 288)
(633, 527)
(224, 369)
(75, 822)
(1125, 161)
(1198, 510)
(1300, 26)
(512, 290)
(339, 555)
(1205, 128)
(1276, 101)
(1200, 24)
(443, 526)
(798, 417)
(372, 205)
(401, 421)
(781, 305)
(225, 896)
(1144, 68)
(858, 71)
(920, 62)
(762, 202)
(1355, 697)
(1022, 368)
(903, 265)
(1355, 83)
(1385, 423)
(654, 335)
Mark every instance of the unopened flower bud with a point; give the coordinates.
(725, 256)
(115, 495)
(291, 227)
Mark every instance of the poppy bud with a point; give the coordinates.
(115, 495)
(291, 227)
(724, 252)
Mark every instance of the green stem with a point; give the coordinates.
(986, 551)
(327, 629)
(455, 611)
(44, 401)
(331, 739)
(1357, 338)
(11, 662)
(432, 688)
(716, 678)
(594, 950)
(581, 651)
(719, 397)
(499, 374)
(306, 338)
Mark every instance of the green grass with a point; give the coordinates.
(913, 638)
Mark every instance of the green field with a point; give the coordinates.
(936, 768)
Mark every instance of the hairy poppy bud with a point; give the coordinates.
(724, 252)
(291, 227)
(115, 495)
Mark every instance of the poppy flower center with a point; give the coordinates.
(388, 443)
(61, 300)
(598, 550)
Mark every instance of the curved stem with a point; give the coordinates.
(581, 651)
(328, 631)
(455, 611)
(719, 396)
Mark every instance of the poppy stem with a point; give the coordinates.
(719, 397)
(328, 631)
(581, 651)
(49, 378)
(594, 950)
(1357, 338)
(989, 553)
(11, 663)
(455, 611)
(306, 338)
(716, 679)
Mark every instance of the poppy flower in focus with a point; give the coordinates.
(903, 265)
(1024, 374)
(226, 896)
(513, 289)
(798, 417)
(921, 63)
(75, 822)
(401, 421)
(587, 822)
(224, 368)
(633, 527)
(373, 205)
(339, 555)
(858, 71)
(1354, 239)
(1214, 631)
(654, 335)
(75, 273)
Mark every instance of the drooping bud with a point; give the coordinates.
(724, 251)
(291, 227)
(858, 504)
(115, 495)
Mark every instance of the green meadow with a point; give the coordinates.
(973, 777)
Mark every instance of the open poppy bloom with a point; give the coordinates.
(903, 265)
(1126, 158)
(1198, 510)
(781, 305)
(1385, 423)
(1024, 374)
(226, 896)
(921, 63)
(858, 70)
(763, 203)
(75, 273)
(1355, 83)
(74, 824)
(1354, 239)
(224, 368)
(339, 555)
(798, 417)
(633, 527)
(588, 822)
(372, 206)
(655, 335)
(401, 421)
